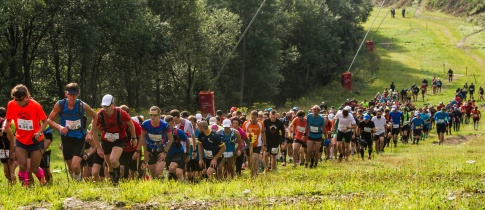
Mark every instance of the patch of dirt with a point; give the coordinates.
(42, 206)
(459, 139)
(75, 203)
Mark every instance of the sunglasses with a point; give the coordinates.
(154, 115)
(19, 99)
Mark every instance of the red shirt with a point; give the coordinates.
(27, 120)
(112, 125)
(128, 147)
(299, 128)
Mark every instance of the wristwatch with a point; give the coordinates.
(133, 137)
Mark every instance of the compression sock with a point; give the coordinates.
(116, 175)
(370, 151)
(24, 178)
(172, 176)
(40, 175)
(283, 152)
(362, 153)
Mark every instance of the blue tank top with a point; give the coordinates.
(71, 120)
(229, 140)
(155, 135)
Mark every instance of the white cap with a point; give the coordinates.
(226, 123)
(348, 108)
(107, 100)
(212, 121)
(393, 108)
(198, 117)
(135, 119)
(331, 116)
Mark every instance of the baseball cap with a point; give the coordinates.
(226, 123)
(135, 119)
(348, 108)
(233, 108)
(198, 117)
(212, 121)
(107, 100)
(366, 117)
(72, 90)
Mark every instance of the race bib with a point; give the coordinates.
(379, 129)
(367, 129)
(254, 138)
(4, 154)
(155, 137)
(395, 125)
(208, 154)
(73, 125)
(111, 136)
(301, 129)
(441, 121)
(227, 154)
(313, 129)
(417, 127)
(26, 125)
(274, 151)
(475, 115)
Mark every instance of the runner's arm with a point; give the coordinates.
(239, 141)
(222, 149)
(94, 116)
(52, 117)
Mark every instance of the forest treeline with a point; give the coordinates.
(163, 52)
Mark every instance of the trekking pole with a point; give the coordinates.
(65, 164)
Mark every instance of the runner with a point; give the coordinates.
(365, 130)
(405, 125)
(441, 119)
(242, 147)
(130, 157)
(297, 130)
(397, 118)
(210, 144)
(113, 121)
(480, 94)
(72, 126)
(193, 168)
(476, 117)
(423, 89)
(417, 124)
(286, 147)
(450, 75)
(232, 140)
(346, 123)
(254, 129)
(153, 131)
(45, 163)
(427, 123)
(178, 154)
(7, 147)
(274, 131)
(26, 113)
(380, 123)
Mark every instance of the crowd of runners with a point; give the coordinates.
(178, 146)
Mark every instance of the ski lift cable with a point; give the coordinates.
(384, 17)
(238, 42)
(363, 40)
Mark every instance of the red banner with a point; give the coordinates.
(206, 102)
(347, 80)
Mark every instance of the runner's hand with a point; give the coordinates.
(133, 142)
(238, 152)
(64, 130)
(194, 155)
(161, 156)
(37, 135)
(201, 163)
(213, 163)
(187, 158)
(100, 152)
(136, 156)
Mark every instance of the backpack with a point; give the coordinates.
(119, 123)
(80, 107)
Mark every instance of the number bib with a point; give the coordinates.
(417, 127)
(73, 125)
(4, 154)
(301, 129)
(274, 151)
(155, 137)
(111, 136)
(395, 125)
(208, 154)
(367, 129)
(441, 121)
(26, 125)
(313, 129)
(227, 154)
(475, 115)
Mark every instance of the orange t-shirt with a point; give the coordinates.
(26, 120)
(253, 131)
(299, 128)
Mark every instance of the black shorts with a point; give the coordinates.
(289, 141)
(73, 147)
(425, 127)
(405, 127)
(3, 150)
(48, 136)
(271, 148)
(88, 162)
(45, 162)
(476, 119)
(31, 147)
(314, 139)
(208, 162)
(153, 156)
(126, 159)
(193, 165)
(303, 144)
(440, 128)
(257, 150)
(377, 136)
(395, 131)
(417, 132)
(341, 135)
(176, 158)
(108, 146)
(96, 159)
(367, 139)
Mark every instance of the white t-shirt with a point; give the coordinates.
(380, 124)
(188, 130)
(344, 122)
